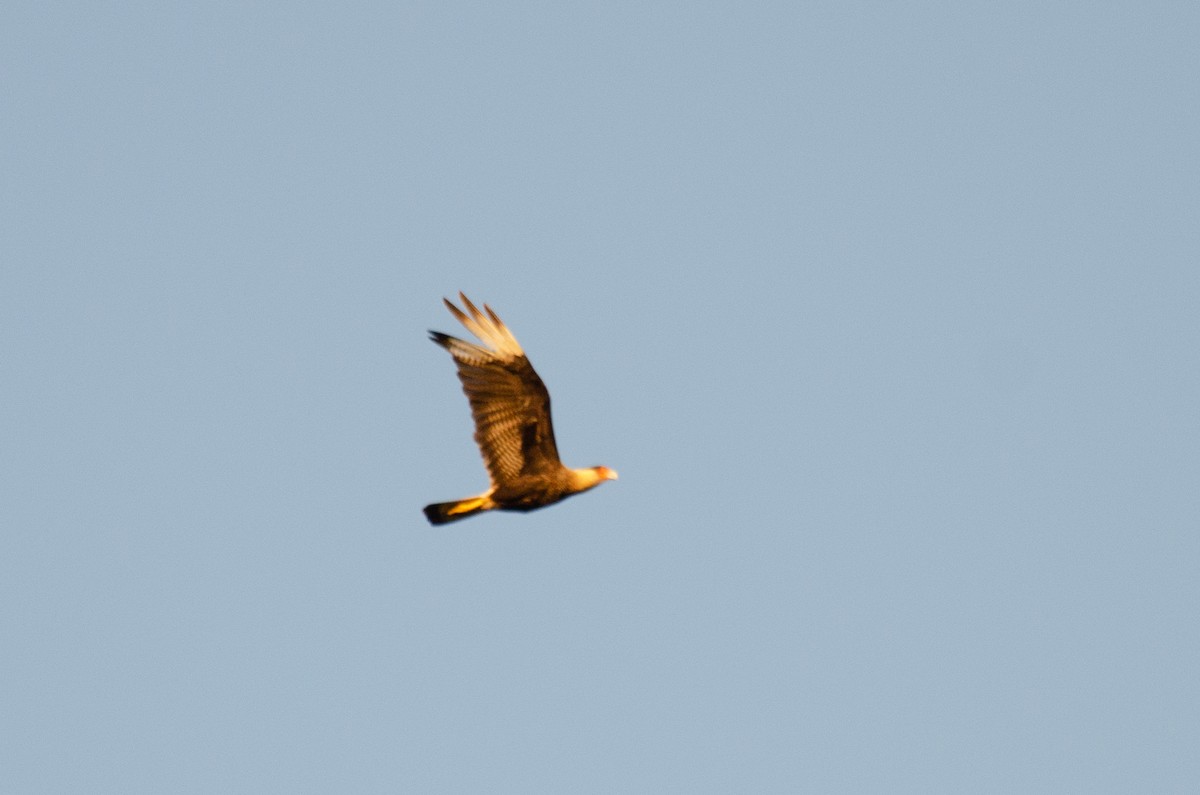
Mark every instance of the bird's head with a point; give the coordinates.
(604, 473)
(589, 478)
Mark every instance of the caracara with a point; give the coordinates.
(511, 408)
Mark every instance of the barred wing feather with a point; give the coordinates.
(509, 402)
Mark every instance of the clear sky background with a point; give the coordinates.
(887, 314)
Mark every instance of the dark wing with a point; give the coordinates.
(509, 402)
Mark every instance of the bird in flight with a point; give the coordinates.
(511, 408)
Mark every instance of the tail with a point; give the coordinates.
(446, 512)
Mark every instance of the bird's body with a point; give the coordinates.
(511, 408)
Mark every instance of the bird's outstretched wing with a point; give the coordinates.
(509, 402)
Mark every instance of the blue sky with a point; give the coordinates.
(887, 316)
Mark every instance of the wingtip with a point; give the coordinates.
(486, 325)
(459, 315)
(475, 313)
